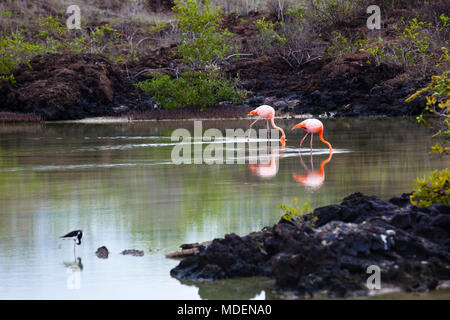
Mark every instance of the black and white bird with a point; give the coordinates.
(76, 236)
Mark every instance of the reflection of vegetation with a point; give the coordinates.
(436, 190)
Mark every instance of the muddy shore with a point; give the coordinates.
(70, 86)
(330, 251)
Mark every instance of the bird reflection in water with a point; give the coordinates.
(268, 165)
(73, 271)
(312, 179)
(75, 265)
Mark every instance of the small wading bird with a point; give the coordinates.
(268, 113)
(75, 236)
(312, 126)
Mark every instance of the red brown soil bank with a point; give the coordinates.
(409, 244)
(347, 87)
(67, 86)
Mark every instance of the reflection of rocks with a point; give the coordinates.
(409, 244)
(234, 289)
(133, 252)
(102, 252)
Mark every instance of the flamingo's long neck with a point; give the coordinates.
(324, 141)
(283, 136)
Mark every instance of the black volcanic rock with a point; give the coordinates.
(332, 248)
(102, 252)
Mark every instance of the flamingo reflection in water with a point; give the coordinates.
(268, 169)
(312, 179)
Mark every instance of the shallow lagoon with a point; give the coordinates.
(116, 181)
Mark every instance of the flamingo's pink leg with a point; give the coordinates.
(251, 125)
(312, 134)
(268, 135)
(301, 142)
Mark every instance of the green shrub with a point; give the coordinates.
(340, 45)
(329, 12)
(99, 40)
(15, 50)
(191, 89)
(50, 27)
(436, 190)
(438, 103)
(295, 212)
(268, 36)
(203, 48)
(204, 43)
(417, 43)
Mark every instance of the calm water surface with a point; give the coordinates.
(118, 184)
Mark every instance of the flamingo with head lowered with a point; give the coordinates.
(268, 113)
(312, 126)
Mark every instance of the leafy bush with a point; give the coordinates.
(268, 37)
(15, 50)
(292, 38)
(418, 42)
(203, 48)
(329, 12)
(50, 27)
(436, 190)
(191, 89)
(340, 45)
(99, 40)
(204, 43)
(295, 212)
(438, 103)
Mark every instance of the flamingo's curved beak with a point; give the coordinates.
(283, 140)
(300, 125)
(252, 113)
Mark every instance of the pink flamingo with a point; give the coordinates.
(312, 126)
(266, 112)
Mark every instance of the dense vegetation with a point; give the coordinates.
(296, 31)
(203, 48)
(437, 188)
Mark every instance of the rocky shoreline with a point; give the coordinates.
(330, 251)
